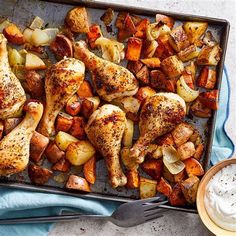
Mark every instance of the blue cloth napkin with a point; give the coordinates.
(16, 203)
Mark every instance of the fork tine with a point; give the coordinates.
(153, 205)
(154, 212)
(149, 200)
(153, 218)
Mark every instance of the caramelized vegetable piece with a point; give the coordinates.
(39, 175)
(93, 34)
(64, 122)
(153, 62)
(189, 188)
(207, 78)
(53, 153)
(210, 99)
(191, 69)
(188, 80)
(1, 129)
(38, 144)
(209, 55)
(144, 92)
(143, 75)
(10, 124)
(62, 165)
(13, 34)
(128, 134)
(89, 105)
(166, 139)
(132, 178)
(200, 110)
(147, 188)
(61, 46)
(85, 90)
(33, 62)
(34, 83)
(186, 150)
(78, 183)
(167, 175)
(89, 170)
(141, 28)
(180, 176)
(176, 197)
(164, 187)
(77, 128)
(133, 50)
(134, 66)
(107, 16)
(120, 19)
(199, 151)
(193, 167)
(164, 48)
(149, 48)
(73, 106)
(188, 53)
(77, 20)
(127, 160)
(167, 20)
(153, 168)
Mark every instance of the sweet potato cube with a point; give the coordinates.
(78, 183)
(143, 75)
(85, 90)
(133, 50)
(164, 48)
(134, 66)
(207, 78)
(63, 122)
(200, 110)
(186, 150)
(210, 99)
(167, 20)
(188, 53)
(153, 62)
(153, 167)
(77, 128)
(13, 34)
(209, 56)
(89, 170)
(149, 48)
(180, 176)
(193, 167)
(39, 175)
(38, 144)
(120, 19)
(178, 39)
(188, 78)
(147, 188)
(129, 25)
(62, 165)
(182, 133)
(107, 16)
(144, 92)
(172, 67)
(93, 34)
(166, 139)
(167, 175)
(164, 187)
(199, 151)
(132, 178)
(141, 28)
(1, 129)
(176, 197)
(73, 106)
(89, 105)
(53, 153)
(10, 124)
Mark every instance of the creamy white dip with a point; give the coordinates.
(220, 198)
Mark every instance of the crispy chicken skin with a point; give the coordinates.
(14, 147)
(159, 115)
(62, 81)
(111, 81)
(12, 95)
(105, 129)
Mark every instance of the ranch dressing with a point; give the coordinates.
(220, 198)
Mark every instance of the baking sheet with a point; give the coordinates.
(22, 12)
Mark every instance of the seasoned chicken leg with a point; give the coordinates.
(12, 95)
(105, 129)
(62, 81)
(14, 147)
(111, 81)
(159, 115)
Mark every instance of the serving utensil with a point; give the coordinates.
(214, 228)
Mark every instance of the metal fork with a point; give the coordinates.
(126, 215)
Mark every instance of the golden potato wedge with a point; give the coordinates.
(188, 53)
(133, 50)
(33, 62)
(129, 163)
(13, 34)
(63, 140)
(53, 153)
(178, 39)
(73, 105)
(89, 170)
(63, 122)
(172, 67)
(195, 30)
(193, 167)
(199, 110)
(77, 20)
(147, 188)
(176, 197)
(207, 78)
(78, 183)
(85, 90)
(209, 39)
(164, 187)
(199, 151)
(132, 179)
(80, 152)
(38, 144)
(39, 175)
(153, 62)
(186, 150)
(144, 92)
(128, 134)
(149, 48)
(143, 75)
(209, 56)
(77, 128)
(89, 105)
(62, 165)
(189, 188)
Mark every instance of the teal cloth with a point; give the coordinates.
(16, 203)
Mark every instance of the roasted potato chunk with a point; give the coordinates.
(89, 170)
(189, 188)
(78, 183)
(193, 167)
(167, 175)
(209, 56)
(166, 139)
(77, 128)
(77, 20)
(195, 30)
(38, 144)
(73, 105)
(188, 53)
(210, 99)
(186, 150)
(107, 16)
(33, 62)
(176, 197)
(143, 75)
(180, 176)
(164, 48)
(199, 110)
(153, 62)
(167, 20)
(53, 153)
(13, 34)
(149, 48)
(178, 39)
(134, 66)
(153, 167)
(191, 68)
(172, 67)
(93, 34)
(147, 188)
(207, 78)
(62, 165)
(182, 133)
(128, 162)
(133, 50)
(85, 90)
(144, 92)
(63, 122)
(63, 140)
(39, 175)
(164, 187)
(132, 178)
(89, 105)
(199, 151)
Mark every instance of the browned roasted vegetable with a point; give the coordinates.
(144, 92)
(193, 167)
(141, 28)
(1, 129)
(53, 153)
(143, 75)
(89, 105)
(210, 99)
(93, 34)
(188, 53)
(77, 128)
(167, 175)
(73, 106)
(186, 150)
(191, 69)
(39, 175)
(176, 197)
(153, 62)
(199, 151)
(166, 139)
(107, 16)
(149, 48)
(61, 46)
(85, 90)
(164, 187)
(13, 34)
(153, 168)
(64, 122)
(134, 66)
(188, 78)
(133, 50)
(180, 176)
(38, 144)
(199, 110)
(209, 56)
(62, 165)
(207, 78)
(147, 188)
(89, 170)
(78, 183)
(167, 20)
(10, 124)
(132, 178)
(164, 49)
